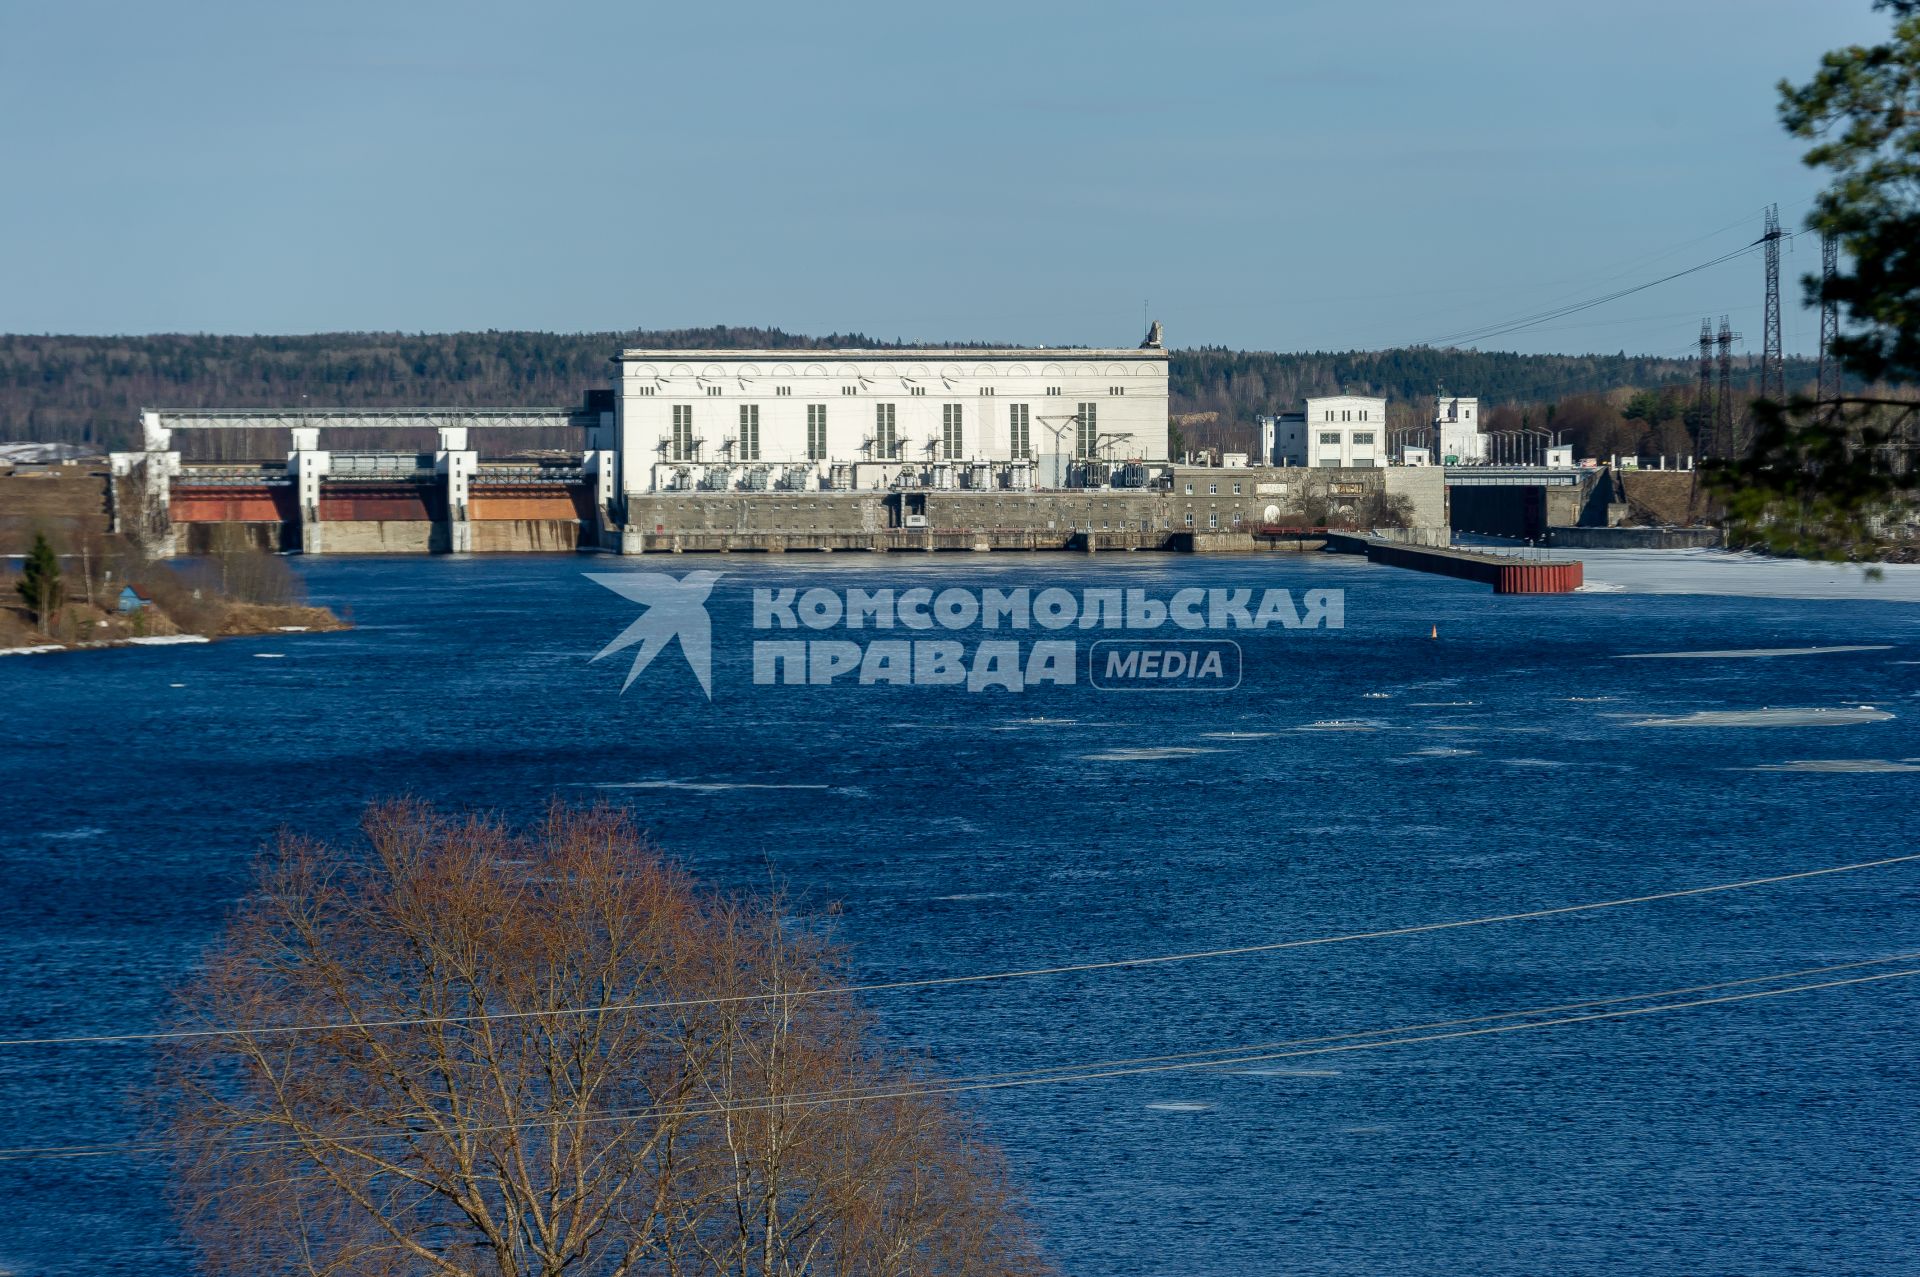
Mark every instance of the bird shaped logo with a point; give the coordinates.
(675, 609)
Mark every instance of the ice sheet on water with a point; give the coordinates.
(1341, 725)
(169, 640)
(1786, 717)
(1179, 1106)
(1235, 735)
(1441, 751)
(1028, 724)
(1732, 652)
(1743, 575)
(1839, 766)
(1148, 754)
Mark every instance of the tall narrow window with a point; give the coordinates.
(885, 444)
(749, 432)
(1087, 424)
(1018, 442)
(952, 445)
(816, 432)
(683, 432)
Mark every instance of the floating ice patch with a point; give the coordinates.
(1339, 725)
(1836, 766)
(1179, 1106)
(1772, 718)
(1440, 704)
(1150, 754)
(1442, 751)
(1591, 700)
(698, 786)
(1600, 587)
(291, 629)
(39, 650)
(176, 684)
(1376, 696)
(1752, 651)
(269, 656)
(169, 640)
(1235, 735)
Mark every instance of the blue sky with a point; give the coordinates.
(1284, 175)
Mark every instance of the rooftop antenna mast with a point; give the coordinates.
(1830, 389)
(1773, 364)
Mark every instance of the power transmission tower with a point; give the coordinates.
(1830, 389)
(1703, 413)
(1726, 442)
(1773, 363)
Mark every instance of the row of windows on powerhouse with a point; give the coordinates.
(684, 447)
(882, 449)
(986, 392)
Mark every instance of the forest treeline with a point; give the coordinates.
(89, 390)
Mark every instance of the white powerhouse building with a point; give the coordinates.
(1335, 431)
(757, 420)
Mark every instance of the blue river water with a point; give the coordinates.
(1363, 778)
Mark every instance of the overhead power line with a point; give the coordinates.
(932, 982)
(1214, 1058)
(1503, 327)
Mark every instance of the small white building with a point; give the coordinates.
(808, 420)
(1341, 431)
(1456, 424)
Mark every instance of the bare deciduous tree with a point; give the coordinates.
(481, 1052)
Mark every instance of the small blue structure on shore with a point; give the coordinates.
(133, 598)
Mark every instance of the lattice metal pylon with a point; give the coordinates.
(1703, 398)
(1726, 441)
(1773, 364)
(1830, 387)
